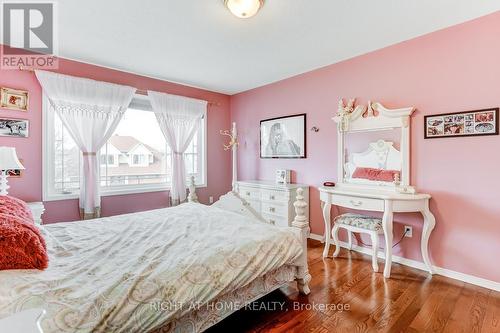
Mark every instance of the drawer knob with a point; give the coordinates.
(356, 203)
(272, 222)
(248, 193)
(272, 197)
(272, 209)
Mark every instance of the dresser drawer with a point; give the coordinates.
(249, 193)
(274, 209)
(256, 205)
(272, 196)
(275, 220)
(358, 203)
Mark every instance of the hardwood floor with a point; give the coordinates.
(410, 301)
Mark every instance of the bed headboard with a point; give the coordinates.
(232, 202)
(379, 155)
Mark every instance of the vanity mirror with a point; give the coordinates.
(373, 147)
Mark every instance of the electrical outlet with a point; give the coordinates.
(211, 199)
(408, 231)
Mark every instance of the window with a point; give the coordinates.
(140, 160)
(107, 159)
(135, 159)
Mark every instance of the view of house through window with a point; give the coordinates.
(137, 151)
(136, 155)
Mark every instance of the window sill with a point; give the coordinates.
(113, 192)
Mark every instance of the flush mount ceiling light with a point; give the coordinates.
(244, 8)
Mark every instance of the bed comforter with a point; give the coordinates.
(136, 272)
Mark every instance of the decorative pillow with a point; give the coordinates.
(21, 243)
(15, 207)
(375, 174)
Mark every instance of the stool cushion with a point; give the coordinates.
(360, 221)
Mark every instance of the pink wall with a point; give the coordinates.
(29, 186)
(456, 69)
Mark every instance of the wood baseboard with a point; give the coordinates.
(420, 265)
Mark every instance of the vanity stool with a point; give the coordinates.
(361, 224)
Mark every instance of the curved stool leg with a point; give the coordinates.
(374, 237)
(349, 237)
(335, 235)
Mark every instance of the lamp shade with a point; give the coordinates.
(9, 160)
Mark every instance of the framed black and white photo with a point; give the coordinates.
(18, 128)
(467, 123)
(283, 137)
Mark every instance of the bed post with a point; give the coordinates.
(192, 197)
(303, 277)
(234, 147)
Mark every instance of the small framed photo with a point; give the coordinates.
(13, 99)
(14, 173)
(283, 137)
(467, 123)
(283, 176)
(14, 127)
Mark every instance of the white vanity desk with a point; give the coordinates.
(374, 171)
(380, 201)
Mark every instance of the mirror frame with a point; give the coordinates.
(374, 117)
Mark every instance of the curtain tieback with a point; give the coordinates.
(177, 153)
(89, 154)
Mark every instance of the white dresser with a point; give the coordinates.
(27, 321)
(274, 202)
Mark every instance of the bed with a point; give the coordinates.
(183, 268)
(177, 269)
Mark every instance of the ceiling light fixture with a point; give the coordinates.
(244, 8)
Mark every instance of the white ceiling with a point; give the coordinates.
(199, 43)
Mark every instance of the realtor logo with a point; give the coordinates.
(28, 34)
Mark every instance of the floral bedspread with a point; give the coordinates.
(138, 272)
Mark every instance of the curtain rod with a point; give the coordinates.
(138, 91)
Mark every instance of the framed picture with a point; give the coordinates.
(14, 173)
(14, 127)
(283, 137)
(467, 123)
(13, 99)
(283, 176)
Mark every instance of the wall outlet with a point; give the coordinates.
(408, 231)
(211, 199)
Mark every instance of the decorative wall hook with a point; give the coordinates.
(315, 129)
(232, 139)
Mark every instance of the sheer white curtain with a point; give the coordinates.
(179, 118)
(90, 111)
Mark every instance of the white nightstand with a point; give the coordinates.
(37, 209)
(27, 321)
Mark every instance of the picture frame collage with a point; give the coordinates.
(457, 124)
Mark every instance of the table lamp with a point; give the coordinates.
(8, 161)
